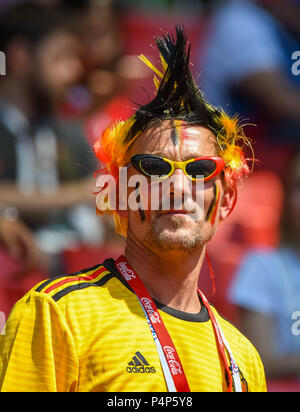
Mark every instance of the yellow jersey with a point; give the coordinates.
(87, 332)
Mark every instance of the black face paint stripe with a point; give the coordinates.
(138, 198)
(142, 215)
(212, 202)
(174, 135)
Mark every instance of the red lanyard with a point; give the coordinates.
(219, 337)
(160, 331)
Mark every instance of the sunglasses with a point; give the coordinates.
(200, 168)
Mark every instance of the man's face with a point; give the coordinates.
(182, 230)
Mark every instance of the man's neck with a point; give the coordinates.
(171, 278)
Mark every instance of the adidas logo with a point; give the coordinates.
(138, 364)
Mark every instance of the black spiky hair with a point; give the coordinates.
(177, 96)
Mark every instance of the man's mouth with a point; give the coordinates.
(175, 212)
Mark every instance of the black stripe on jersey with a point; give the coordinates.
(80, 272)
(108, 264)
(82, 285)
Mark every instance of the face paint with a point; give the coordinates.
(187, 132)
(213, 207)
(138, 197)
(212, 203)
(142, 215)
(175, 132)
(174, 137)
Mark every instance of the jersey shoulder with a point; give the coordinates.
(93, 277)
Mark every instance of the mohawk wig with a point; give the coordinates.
(177, 97)
(177, 94)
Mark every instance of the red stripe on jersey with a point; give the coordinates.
(73, 278)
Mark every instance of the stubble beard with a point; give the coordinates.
(175, 238)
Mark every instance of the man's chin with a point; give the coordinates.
(180, 239)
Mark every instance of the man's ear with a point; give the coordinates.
(228, 202)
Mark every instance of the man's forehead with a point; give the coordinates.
(174, 133)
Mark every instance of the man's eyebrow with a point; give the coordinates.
(191, 155)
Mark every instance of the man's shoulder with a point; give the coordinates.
(74, 303)
(74, 284)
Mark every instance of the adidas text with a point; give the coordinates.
(140, 369)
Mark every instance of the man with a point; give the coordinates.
(139, 323)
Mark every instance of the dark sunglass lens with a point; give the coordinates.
(155, 167)
(201, 168)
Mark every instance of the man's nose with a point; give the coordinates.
(180, 184)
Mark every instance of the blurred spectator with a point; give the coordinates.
(101, 95)
(247, 67)
(20, 258)
(19, 242)
(103, 44)
(267, 289)
(45, 161)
